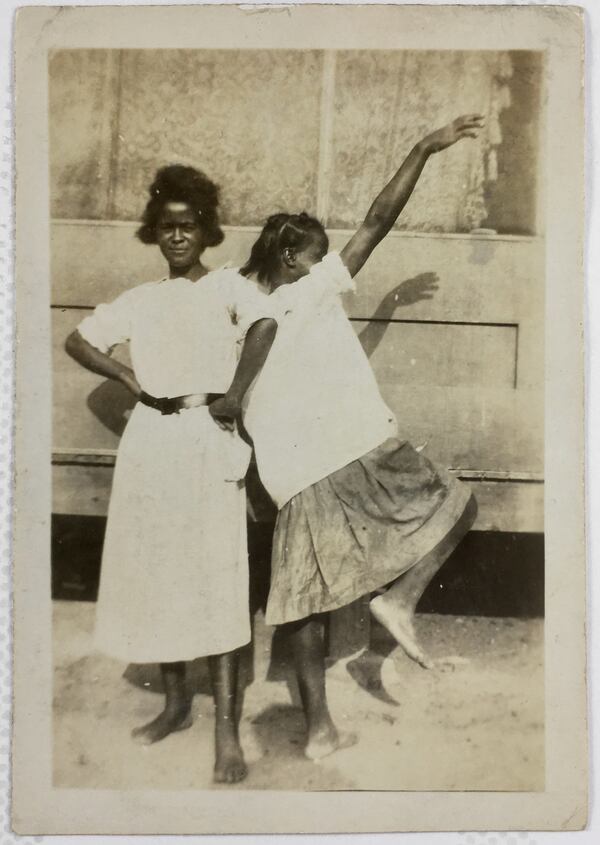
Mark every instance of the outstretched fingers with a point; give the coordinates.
(469, 120)
(468, 125)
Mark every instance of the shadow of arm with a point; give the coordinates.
(406, 293)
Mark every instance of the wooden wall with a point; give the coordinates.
(463, 371)
(321, 131)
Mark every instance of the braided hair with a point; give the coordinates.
(178, 183)
(281, 231)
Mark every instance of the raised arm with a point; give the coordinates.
(257, 344)
(99, 362)
(389, 203)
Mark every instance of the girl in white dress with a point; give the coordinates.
(360, 510)
(174, 578)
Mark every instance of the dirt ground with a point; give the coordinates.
(479, 726)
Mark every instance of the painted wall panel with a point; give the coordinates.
(89, 412)
(95, 262)
(479, 279)
(473, 428)
(445, 397)
(491, 280)
(450, 355)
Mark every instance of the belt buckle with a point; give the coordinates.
(169, 406)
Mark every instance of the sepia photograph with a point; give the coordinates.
(335, 257)
(298, 448)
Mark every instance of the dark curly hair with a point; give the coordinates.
(281, 231)
(178, 183)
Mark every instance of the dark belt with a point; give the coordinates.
(168, 405)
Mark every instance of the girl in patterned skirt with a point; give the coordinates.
(360, 510)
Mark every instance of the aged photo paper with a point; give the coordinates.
(299, 495)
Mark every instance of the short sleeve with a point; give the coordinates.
(322, 286)
(249, 304)
(110, 323)
(332, 271)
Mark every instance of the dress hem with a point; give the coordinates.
(184, 657)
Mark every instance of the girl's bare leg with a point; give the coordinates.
(230, 766)
(177, 713)
(307, 639)
(395, 609)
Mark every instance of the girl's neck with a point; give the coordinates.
(282, 276)
(193, 273)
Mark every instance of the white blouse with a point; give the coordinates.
(315, 406)
(183, 335)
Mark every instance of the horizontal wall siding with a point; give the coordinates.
(443, 354)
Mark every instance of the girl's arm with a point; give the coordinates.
(257, 344)
(99, 362)
(387, 206)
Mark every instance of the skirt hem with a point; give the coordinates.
(442, 531)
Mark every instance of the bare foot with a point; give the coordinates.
(398, 622)
(164, 724)
(230, 766)
(324, 742)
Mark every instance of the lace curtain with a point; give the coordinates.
(252, 120)
(248, 118)
(385, 102)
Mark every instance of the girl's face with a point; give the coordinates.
(310, 255)
(179, 236)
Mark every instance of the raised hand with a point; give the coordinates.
(467, 126)
(390, 201)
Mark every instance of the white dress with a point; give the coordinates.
(174, 578)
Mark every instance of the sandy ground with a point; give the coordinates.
(476, 727)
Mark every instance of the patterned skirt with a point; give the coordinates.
(361, 527)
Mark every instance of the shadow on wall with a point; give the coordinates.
(111, 403)
(405, 293)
